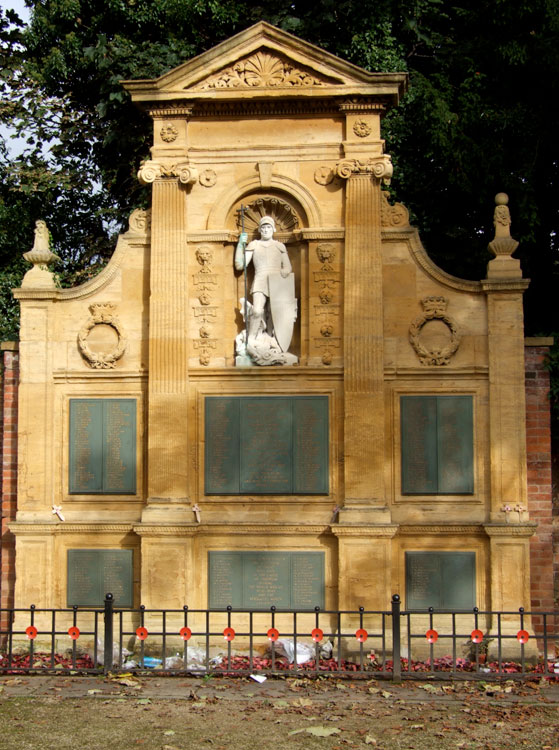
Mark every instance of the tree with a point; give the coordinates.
(477, 119)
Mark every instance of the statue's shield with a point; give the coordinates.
(283, 307)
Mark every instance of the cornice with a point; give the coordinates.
(22, 528)
(66, 376)
(439, 529)
(503, 285)
(217, 529)
(163, 530)
(387, 531)
(511, 529)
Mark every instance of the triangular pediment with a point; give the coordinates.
(265, 60)
(263, 69)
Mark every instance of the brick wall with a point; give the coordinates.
(540, 504)
(8, 451)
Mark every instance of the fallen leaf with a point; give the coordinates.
(369, 740)
(323, 731)
(386, 694)
(144, 701)
(303, 702)
(169, 731)
(130, 683)
(93, 692)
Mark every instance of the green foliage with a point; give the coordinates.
(479, 117)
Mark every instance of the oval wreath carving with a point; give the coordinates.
(102, 315)
(434, 308)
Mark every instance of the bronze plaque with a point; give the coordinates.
(266, 445)
(443, 580)
(102, 446)
(93, 573)
(258, 580)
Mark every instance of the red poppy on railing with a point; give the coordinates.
(317, 635)
(361, 635)
(476, 636)
(142, 633)
(228, 634)
(273, 634)
(185, 633)
(31, 632)
(74, 633)
(432, 636)
(522, 636)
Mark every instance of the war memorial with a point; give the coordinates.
(271, 395)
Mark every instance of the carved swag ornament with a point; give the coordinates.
(434, 308)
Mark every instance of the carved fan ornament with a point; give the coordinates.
(281, 212)
(102, 315)
(262, 70)
(434, 308)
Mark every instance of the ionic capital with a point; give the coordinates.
(153, 170)
(379, 167)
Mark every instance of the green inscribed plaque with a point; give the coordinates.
(102, 446)
(437, 444)
(92, 573)
(258, 580)
(266, 445)
(443, 580)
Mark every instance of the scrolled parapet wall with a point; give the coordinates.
(379, 167)
(150, 171)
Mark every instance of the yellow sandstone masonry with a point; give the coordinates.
(270, 124)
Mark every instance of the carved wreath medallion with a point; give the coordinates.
(102, 315)
(434, 308)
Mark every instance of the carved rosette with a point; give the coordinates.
(205, 282)
(327, 279)
(379, 167)
(362, 128)
(323, 175)
(152, 170)
(396, 215)
(102, 314)
(208, 178)
(434, 308)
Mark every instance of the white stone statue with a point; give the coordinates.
(273, 312)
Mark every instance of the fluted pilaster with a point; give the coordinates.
(168, 355)
(363, 340)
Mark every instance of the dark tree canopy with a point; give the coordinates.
(480, 117)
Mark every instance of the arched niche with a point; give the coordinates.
(289, 217)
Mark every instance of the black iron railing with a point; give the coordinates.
(390, 644)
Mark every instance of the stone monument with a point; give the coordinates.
(190, 477)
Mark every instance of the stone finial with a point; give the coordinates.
(503, 245)
(41, 257)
